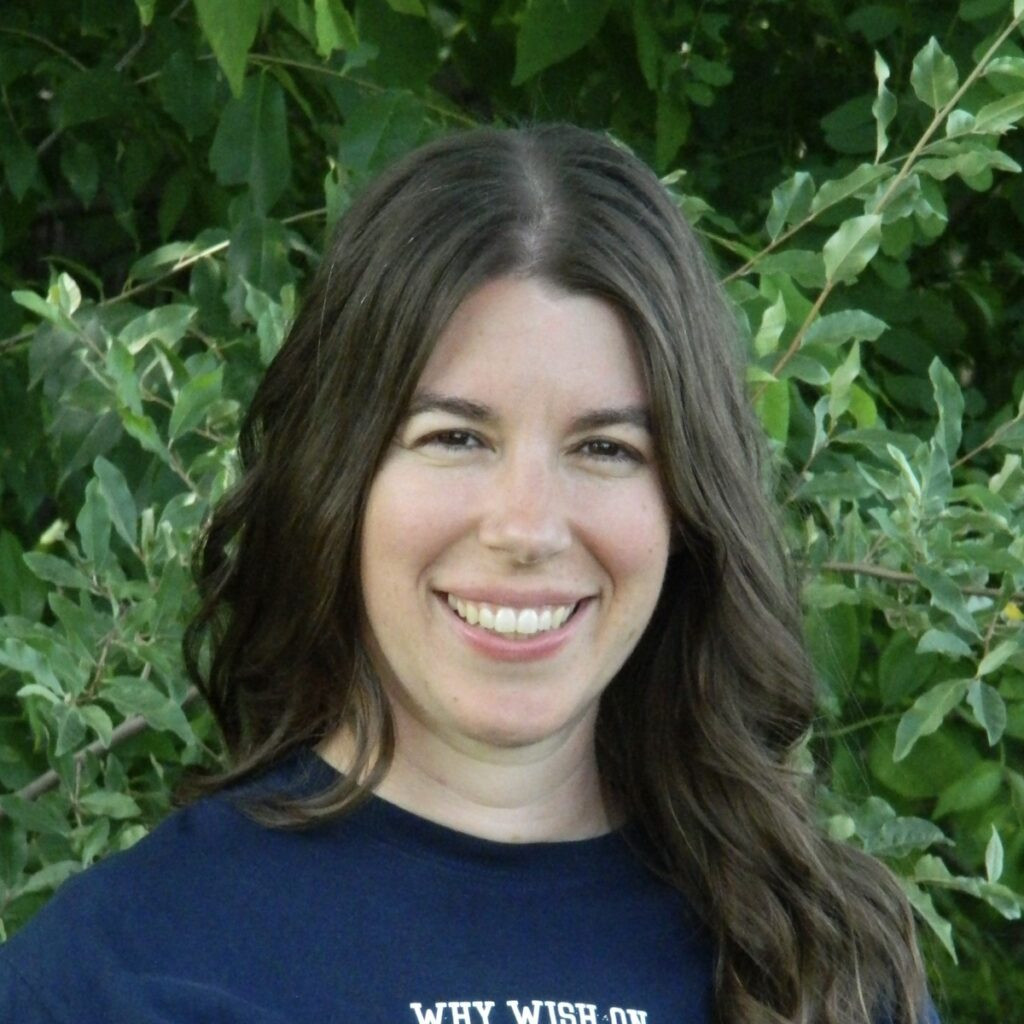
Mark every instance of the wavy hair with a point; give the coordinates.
(697, 732)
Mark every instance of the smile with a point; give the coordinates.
(511, 621)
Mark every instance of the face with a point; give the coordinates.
(516, 535)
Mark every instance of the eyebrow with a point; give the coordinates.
(593, 419)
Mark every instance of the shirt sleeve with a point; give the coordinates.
(22, 1002)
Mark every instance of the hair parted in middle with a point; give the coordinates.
(697, 731)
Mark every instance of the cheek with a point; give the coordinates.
(631, 536)
(409, 523)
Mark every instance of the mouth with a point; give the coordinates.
(513, 623)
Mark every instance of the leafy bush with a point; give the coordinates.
(169, 172)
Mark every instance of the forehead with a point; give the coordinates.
(516, 338)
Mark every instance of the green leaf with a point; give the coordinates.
(93, 525)
(1001, 115)
(110, 805)
(121, 366)
(135, 696)
(21, 592)
(21, 166)
(41, 816)
(791, 203)
(848, 325)
(36, 304)
(672, 121)
(648, 45)
(22, 658)
(841, 384)
(862, 407)
(552, 30)
(900, 836)
(230, 29)
(883, 109)
(927, 714)
(950, 402)
(194, 399)
(772, 408)
(56, 570)
(250, 145)
(166, 324)
(70, 731)
(998, 656)
(989, 709)
(976, 789)
(856, 183)
(408, 7)
(188, 92)
(939, 641)
(51, 876)
(147, 8)
(772, 323)
(925, 907)
(934, 76)
(143, 429)
(82, 170)
(945, 595)
(806, 268)
(849, 250)
(120, 503)
(994, 857)
(335, 29)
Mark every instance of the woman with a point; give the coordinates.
(500, 647)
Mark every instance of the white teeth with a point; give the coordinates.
(527, 621)
(506, 620)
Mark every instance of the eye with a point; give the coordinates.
(604, 450)
(450, 440)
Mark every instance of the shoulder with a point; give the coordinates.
(154, 911)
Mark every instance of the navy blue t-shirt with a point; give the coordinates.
(381, 917)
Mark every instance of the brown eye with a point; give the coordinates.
(610, 451)
(452, 440)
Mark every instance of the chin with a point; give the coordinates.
(516, 729)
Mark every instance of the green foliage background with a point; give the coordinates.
(168, 174)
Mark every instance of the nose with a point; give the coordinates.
(525, 513)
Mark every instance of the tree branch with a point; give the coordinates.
(881, 572)
(131, 726)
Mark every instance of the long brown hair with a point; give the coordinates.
(696, 734)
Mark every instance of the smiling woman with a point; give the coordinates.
(497, 630)
(522, 486)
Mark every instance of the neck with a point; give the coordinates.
(545, 792)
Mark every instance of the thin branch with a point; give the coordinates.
(864, 723)
(943, 112)
(266, 58)
(183, 264)
(993, 440)
(907, 162)
(881, 572)
(49, 44)
(130, 727)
